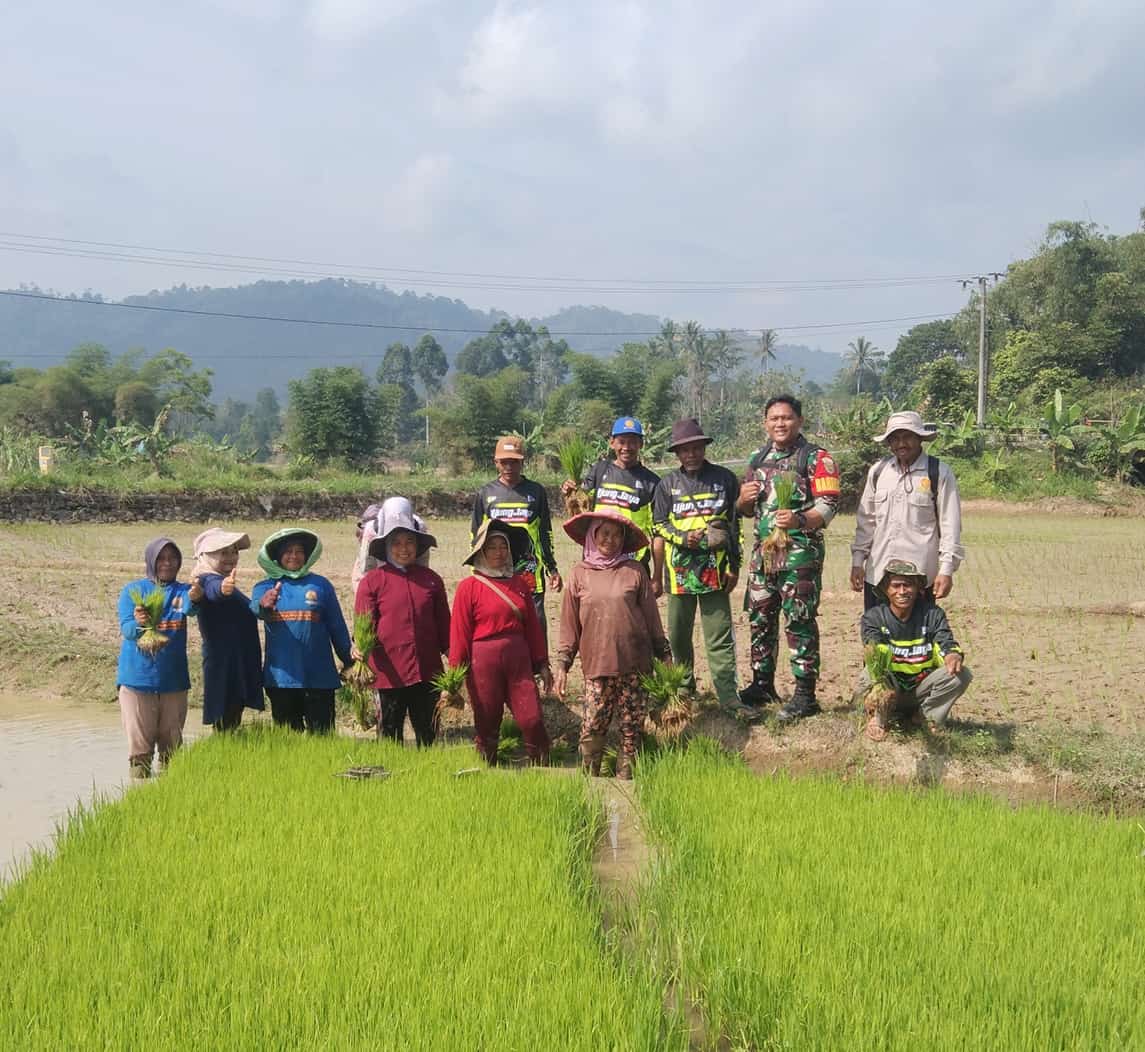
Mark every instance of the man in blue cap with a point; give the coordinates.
(623, 484)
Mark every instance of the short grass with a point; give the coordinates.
(811, 914)
(251, 900)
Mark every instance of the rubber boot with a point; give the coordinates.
(802, 703)
(591, 751)
(761, 690)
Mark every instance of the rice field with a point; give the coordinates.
(1050, 608)
(252, 900)
(811, 914)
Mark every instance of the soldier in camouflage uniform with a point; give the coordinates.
(794, 584)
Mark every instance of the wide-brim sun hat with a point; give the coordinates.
(578, 526)
(907, 421)
(900, 568)
(517, 537)
(685, 432)
(397, 514)
(216, 539)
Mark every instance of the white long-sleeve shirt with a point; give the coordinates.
(896, 520)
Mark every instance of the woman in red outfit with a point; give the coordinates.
(411, 619)
(495, 629)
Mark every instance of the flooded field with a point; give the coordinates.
(52, 755)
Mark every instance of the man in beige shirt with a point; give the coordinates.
(910, 510)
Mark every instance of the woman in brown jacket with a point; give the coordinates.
(609, 617)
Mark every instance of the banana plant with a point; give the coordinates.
(1062, 424)
(1125, 439)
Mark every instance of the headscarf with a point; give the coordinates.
(210, 544)
(481, 564)
(151, 556)
(594, 558)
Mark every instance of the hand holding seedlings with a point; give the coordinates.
(269, 598)
(141, 618)
(228, 585)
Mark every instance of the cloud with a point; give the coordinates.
(344, 21)
(415, 201)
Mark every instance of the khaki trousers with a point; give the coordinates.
(152, 721)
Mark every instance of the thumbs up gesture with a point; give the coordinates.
(196, 591)
(228, 585)
(269, 598)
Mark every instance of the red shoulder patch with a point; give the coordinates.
(825, 480)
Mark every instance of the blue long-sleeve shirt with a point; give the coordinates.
(166, 669)
(305, 625)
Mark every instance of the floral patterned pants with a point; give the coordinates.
(615, 694)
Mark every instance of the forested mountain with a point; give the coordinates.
(247, 354)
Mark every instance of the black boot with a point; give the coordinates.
(802, 703)
(761, 690)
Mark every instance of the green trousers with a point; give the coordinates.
(719, 639)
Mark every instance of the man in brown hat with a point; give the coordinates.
(696, 526)
(518, 501)
(910, 509)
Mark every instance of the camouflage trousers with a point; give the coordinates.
(796, 592)
(622, 695)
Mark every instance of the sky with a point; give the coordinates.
(746, 164)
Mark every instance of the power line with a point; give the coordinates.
(390, 327)
(126, 252)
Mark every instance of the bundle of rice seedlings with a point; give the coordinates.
(574, 456)
(151, 640)
(776, 543)
(450, 682)
(670, 709)
(879, 698)
(365, 639)
(359, 677)
(359, 702)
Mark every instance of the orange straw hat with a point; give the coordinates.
(634, 537)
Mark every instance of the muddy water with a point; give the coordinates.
(52, 754)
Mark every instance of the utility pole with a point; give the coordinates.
(983, 364)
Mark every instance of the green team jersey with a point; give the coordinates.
(526, 506)
(819, 481)
(684, 503)
(626, 491)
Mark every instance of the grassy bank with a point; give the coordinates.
(250, 900)
(815, 915)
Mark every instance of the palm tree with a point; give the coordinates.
(768, 339)
(696, 350)
(863, 355)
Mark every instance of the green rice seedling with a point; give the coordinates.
(154, 602)
(669, 707)
(878, 899)
(450, 682)
(253, 935)
(776, 543)
(880, 695)
(574, 456)
(359, 677)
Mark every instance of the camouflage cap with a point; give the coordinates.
(901, 568)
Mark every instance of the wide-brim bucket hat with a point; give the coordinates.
(900, 568)
(397, 514)
(216, 539)
(907, 421)
(518, 538)
(578, 526)
(273, 545)
(685, 432)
